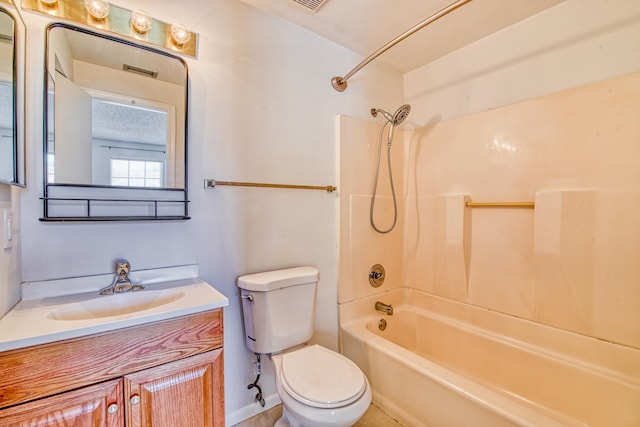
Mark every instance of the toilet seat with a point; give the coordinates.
(321, 378)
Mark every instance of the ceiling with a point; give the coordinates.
(366, 25)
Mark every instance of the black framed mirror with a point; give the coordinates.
(115, 129)
(11, 96)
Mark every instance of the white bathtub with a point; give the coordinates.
(440, 363)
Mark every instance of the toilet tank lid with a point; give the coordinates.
(276, 279)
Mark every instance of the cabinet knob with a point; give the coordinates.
(135, 399)
(113, 408)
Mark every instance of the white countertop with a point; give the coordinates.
(42, 318)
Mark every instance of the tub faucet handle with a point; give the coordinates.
(376, 275)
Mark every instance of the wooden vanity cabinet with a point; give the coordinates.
(182, 393)
(166, 373)
(88, 406)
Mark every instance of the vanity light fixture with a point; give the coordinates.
(136, 25)
(180, 34)
(98, 9)
(141, 21)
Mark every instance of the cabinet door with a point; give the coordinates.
(185, 393)
(98, 405)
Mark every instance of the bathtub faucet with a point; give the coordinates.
(380, 306)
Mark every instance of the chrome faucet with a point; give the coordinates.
(121, 283)
(387, 308)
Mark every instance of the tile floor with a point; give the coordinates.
(374, 417)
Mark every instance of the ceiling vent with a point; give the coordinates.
(140, 71)
(313, 5)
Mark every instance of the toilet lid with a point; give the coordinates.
(321, 378)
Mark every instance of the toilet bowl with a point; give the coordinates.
(319, 388)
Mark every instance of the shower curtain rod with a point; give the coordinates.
(340, 83)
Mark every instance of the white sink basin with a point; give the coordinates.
(116, 305)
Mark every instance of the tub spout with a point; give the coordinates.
(387, 308)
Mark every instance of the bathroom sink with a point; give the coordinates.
(116, 305)
(60, 309)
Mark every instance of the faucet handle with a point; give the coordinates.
(122, 267)
(376, 275)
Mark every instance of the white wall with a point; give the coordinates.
(10, 202)
(261, 109)
(568, 45)
(9, 257)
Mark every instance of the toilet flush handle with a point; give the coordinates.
(249, 297)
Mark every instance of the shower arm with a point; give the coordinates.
(340, 83)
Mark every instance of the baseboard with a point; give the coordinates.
(251, 410)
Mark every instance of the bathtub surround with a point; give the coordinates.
(586, 245)
(443, 261)
(567, 265)
(574, 153)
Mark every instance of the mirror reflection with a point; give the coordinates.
(8, 139)
(116, 113)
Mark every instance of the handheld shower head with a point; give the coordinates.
(398, 117)
(401, 114)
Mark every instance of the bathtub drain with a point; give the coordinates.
(382, 324)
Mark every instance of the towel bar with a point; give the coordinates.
(211, 183)
(529, 205)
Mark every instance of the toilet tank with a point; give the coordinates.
(278, 308)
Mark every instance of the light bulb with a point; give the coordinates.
(98, 9)
(141, 21)
(180, 34)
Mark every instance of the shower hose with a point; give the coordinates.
(375, 186)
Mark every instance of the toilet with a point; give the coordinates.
(318, 387)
